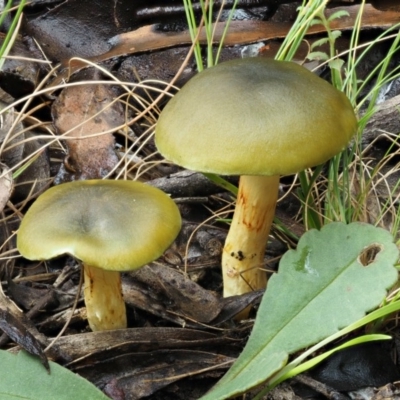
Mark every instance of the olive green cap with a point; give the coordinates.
(255, 116)
(114, 225)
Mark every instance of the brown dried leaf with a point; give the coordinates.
(147, 38)
(77, 28)
(19, 146)
(20, 329)
(139, 375)
(31, 298)
(6, 185)
(139, 296)
(185, 297)
(87, 348)
(19, 75)
(87, 114)
(153, 293)
(189, 298)
(36, 176)
(233, 305)
(13, 137)
(386, 5)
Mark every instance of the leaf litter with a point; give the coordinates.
(83, 146)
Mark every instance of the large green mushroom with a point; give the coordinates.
(257, 118)
(111, 226)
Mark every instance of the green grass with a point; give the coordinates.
(344, 189)
(12, 32)
(350, 180)
(206, 23)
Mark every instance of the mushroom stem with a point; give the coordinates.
(105, 306)
(243, 254)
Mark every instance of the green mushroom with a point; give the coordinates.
(111, 226)
(260, 119)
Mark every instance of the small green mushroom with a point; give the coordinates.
(111, 226)
(257, 118)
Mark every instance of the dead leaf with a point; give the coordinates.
(187, 297)
(18, 147)
(386, 5)
(13, 137)
(144, 297)
(86, 115)
(32, 298)
(233, 305)
(139, 375)
(19, 328)
(19, 75)
(92, 347)
(35, 175)
(147, 38)
(6, 185)
(79, 27)
(173, 297)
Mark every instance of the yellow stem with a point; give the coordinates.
(105, 305)
(243, 255)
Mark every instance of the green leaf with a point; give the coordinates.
(318, 55)
(336, 34)
(337, 64)
(338, 14)
(325, 285)
(295, 365)
(316, 21)
(319, 42)
(24, 377)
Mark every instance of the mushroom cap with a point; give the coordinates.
(255, 116)
(114, 225)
